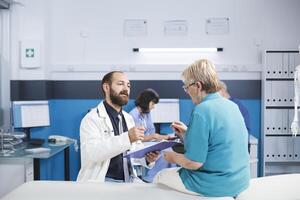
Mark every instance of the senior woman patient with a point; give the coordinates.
(216, 160)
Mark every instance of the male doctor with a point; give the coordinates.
(107, 132)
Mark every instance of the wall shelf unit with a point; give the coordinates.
(280, 150)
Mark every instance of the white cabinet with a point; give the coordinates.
(253, 156)
(280, 149)
(14, 172)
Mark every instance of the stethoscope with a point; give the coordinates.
(108, 129)
(98, 113)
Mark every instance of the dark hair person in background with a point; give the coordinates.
(145, 102)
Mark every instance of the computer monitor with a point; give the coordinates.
(27, 114)
(166, 111)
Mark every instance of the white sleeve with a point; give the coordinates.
(97, 143)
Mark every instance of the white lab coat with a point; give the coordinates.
(99, 144)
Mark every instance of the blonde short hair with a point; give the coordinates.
(203, 71)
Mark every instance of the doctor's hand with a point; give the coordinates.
(136, 133)
(152, 156)
(179, 127)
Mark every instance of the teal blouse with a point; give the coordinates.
(218, 138)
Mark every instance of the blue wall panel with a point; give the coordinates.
(53, 168)
(65, 120)
(65, 117)
(186, 107)
(253, 107)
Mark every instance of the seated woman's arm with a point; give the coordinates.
(148, 138)
(155, 137)
(181, 160)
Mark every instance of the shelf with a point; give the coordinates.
(281, 51)
(281, 135)
(283, 161)
(279, 79)
(281, 107)
(282, 148)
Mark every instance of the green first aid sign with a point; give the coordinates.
(29, 53)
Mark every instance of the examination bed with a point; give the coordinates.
(283, 187)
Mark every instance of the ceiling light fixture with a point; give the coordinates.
(170, 50)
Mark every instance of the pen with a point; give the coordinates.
(175, 137)
(172, 126)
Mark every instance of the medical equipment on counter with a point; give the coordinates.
(295, 123)
(10, 141)
(38, 150)
(60, 140)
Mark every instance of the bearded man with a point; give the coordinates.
(107, 133)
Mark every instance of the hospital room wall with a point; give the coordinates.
(81, 38)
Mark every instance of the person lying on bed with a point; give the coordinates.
(216, 159)
(107, 133)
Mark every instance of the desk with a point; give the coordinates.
(25, 166)
(55, 148)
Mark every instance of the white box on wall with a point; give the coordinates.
(135, 27)
(30, 54)
(176, 28)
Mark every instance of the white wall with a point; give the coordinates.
(255, 25)
(1, 109)
(5, 68)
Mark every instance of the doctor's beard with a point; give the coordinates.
(117, 98)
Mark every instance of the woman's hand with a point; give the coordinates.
(181, 160)
(170, 156)
(179, 127)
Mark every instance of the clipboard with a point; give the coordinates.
(140, 153)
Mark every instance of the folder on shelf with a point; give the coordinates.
(159, 146)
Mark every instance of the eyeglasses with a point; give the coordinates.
(186, 87)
